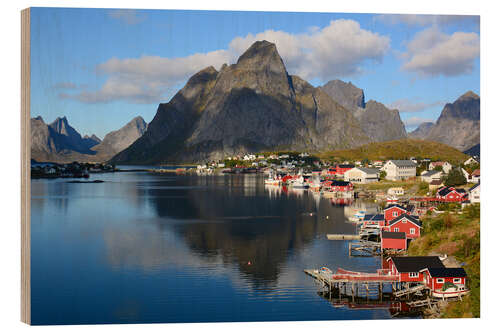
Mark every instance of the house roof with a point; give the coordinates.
(370, 171)
(444, 191)
(393, 235)
(436, 182)
(345, 166)
(394, 205)
(447, 272)
(404, 163)
(438, 163)
(374, 217)
(410, 218)
(476, 172)
(339, 183)
(416, 264)
(430, 173)
(474, 187)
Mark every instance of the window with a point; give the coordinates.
(396, 229)
(457, 280)
(395, 213)
(404, 220)
(413, 274)
(412, 231)
(440, 280)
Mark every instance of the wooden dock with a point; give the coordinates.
(342, 237)
(354, 284)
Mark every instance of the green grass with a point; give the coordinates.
(399, 149)
(457, 235)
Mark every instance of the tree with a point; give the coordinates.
(383, 174)
(454, 178)
(438, 168)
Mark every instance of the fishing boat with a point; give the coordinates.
(272, 180)
(450, 290)
(315, 183)
(300, 183)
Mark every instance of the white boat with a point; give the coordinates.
(455, 291)
(272, 180)
(300, 183)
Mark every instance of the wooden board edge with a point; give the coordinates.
(25, 168)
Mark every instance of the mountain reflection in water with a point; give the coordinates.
(154, 243)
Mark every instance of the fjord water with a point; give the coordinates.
(146, 248)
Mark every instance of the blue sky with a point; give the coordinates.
(102, 67)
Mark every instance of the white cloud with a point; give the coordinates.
(433, 53)
(407, 105)
(340, 49)
(128, 16)
(415, 121)
(336, 50)
(424, 20)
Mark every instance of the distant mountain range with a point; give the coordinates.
(60, 142)
(251, 106)
(458, 125)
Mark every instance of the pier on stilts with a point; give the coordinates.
(355, 284)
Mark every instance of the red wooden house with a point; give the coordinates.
(393, 211)
(373, 220)
(339, 169)
(435, 279)
(408, 224)
(409, 268)
(338, 186)
(451, 194)
(393, 240)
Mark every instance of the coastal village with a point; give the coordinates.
(409, 195)
(407, 192)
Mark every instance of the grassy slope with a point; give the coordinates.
(399, 149)
(457, 235)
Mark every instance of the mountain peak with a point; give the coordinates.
(261, 54)
(468, 95)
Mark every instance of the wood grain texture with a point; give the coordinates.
(25, 168)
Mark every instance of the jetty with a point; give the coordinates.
(342, 237)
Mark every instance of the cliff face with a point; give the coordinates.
(346, 94)
(459, 123)
(378, 122)
(250, 106)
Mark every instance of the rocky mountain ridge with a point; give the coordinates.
(250, 106)
(377, 121)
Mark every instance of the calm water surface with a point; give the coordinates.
(146, 247)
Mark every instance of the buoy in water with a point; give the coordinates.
(249, 263)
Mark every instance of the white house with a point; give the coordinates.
(362, 175)
(399, 169)
(396, 191)
(471, 160)
(445, 165)
(474, 193)
(249, 157)
(429, 176)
